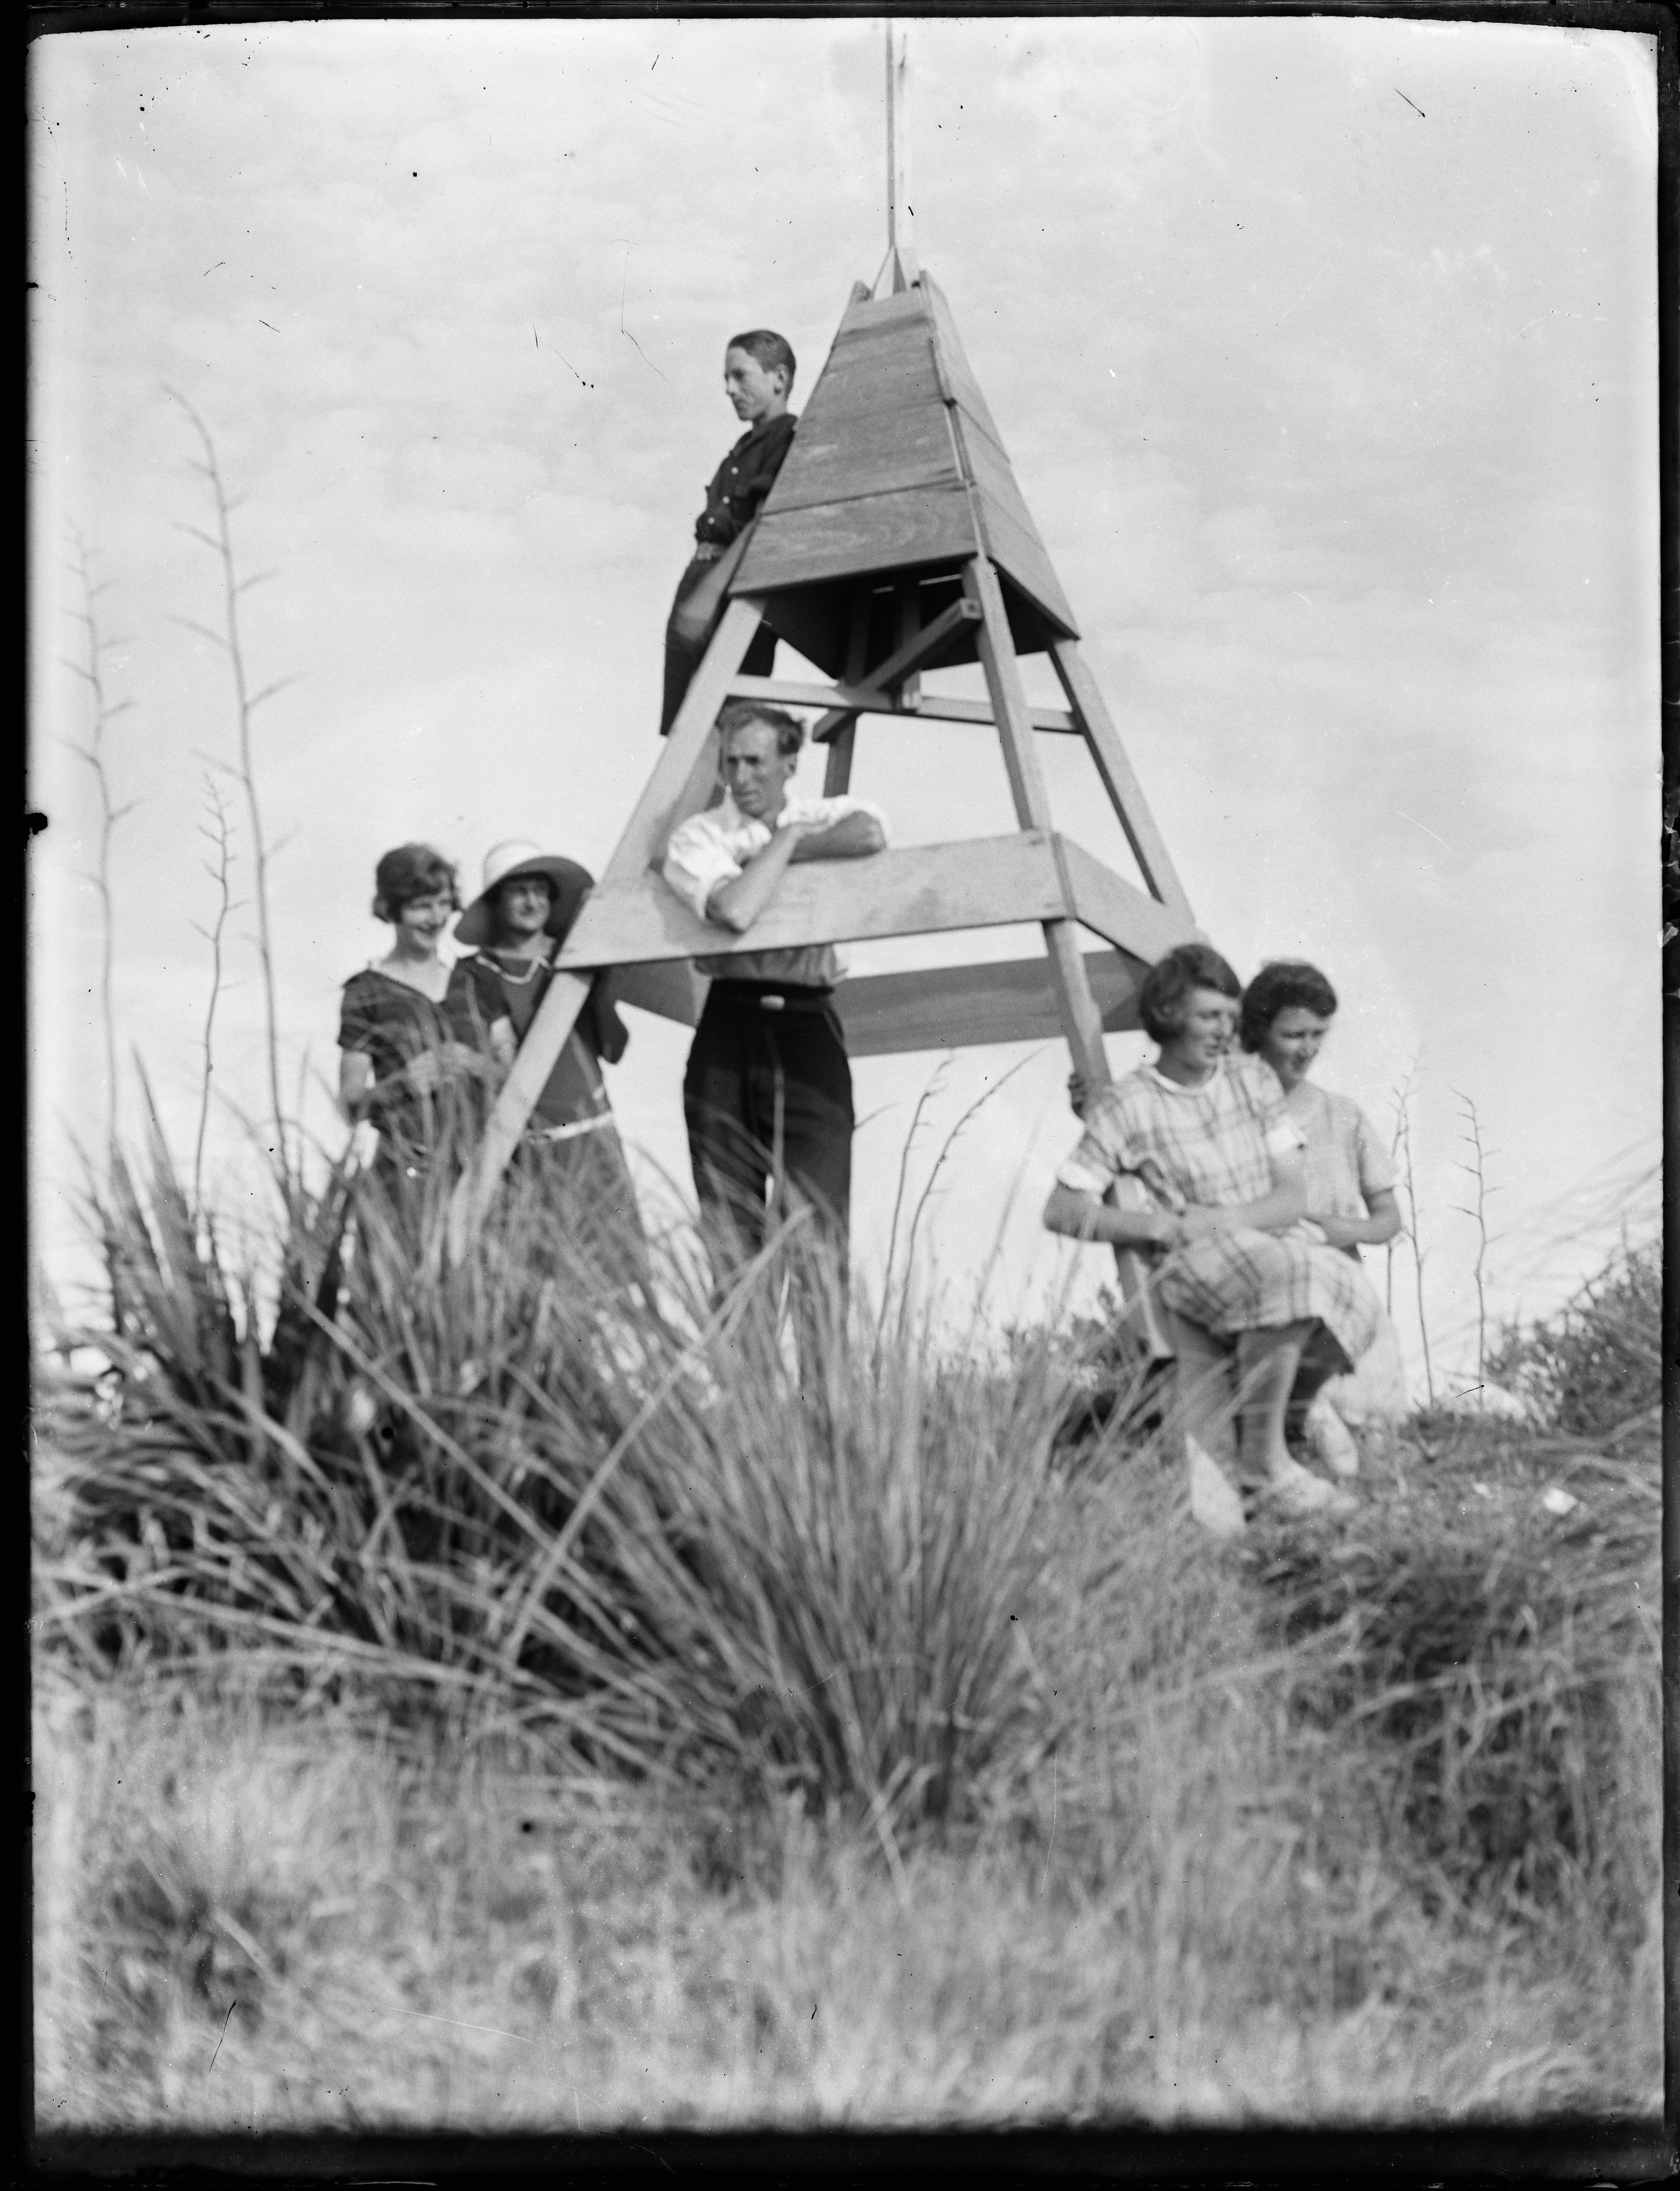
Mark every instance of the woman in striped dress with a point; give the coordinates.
(1211, 1169)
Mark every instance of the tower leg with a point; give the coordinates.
(1080, 1018)
(676, 789)
(837, 777)
(1125, 793)
(1081, 1021)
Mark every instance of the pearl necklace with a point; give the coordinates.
(518, 980)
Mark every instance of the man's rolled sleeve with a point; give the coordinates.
(841, 807)
(695, 864)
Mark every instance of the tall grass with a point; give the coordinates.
(1595, 1367)
(605, 1511)
(939, 1706)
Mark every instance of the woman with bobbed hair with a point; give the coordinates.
(397, 1046)
(1213, 1173)
(1286, 1015)
(1287, 1012)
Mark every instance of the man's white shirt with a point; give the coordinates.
(714, 847)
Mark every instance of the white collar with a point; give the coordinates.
(1178, 1087)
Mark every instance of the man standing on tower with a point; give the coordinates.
(767, 1095)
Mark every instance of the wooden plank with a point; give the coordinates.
(847, 539)
(679, 786)
(1117, 912)
(1021, 554)
(1012, 538)
(921, 889)
(874, 312)
(1009, 711)
(1092, 716)
(668, 987)
(557, 1016)
(919, 647)
(1079, 1018)
(865, 699)
(866, 453)
(964, 1007)
(837, 774)
(907, 618)
(956, 374)
(873, 375)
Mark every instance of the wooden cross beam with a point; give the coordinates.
(900, 664)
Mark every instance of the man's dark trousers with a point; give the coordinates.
(768, 1078)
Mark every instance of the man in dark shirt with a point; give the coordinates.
(758, 374)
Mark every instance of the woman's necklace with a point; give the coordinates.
(518, 980)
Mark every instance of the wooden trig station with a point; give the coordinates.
(895, 541)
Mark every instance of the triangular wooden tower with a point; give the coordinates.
(894, 541)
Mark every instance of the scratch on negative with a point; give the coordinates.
(455, 2024)
(624, 330)
(1424, 826)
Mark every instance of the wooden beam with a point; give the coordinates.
(668, 987)
(545, 1038)
(1117, 912)
(876, 532)
(683, 777)
(903, 660)
(677, 788)
(907, 618)
(1009, 711)
(1081, 1021)
(984, 882)
(851, 698)
(1091, 717)
(990, 1001)
(837, 774)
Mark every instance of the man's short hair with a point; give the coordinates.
(1280, 983)
(1166, 987)
(769, 349)
(411, 871)
(788, 728)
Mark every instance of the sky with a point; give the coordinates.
(1325, 350)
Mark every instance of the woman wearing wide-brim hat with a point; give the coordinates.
(516, 926)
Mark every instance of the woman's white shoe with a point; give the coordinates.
(1296, 1490)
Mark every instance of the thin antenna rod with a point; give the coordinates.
(899, 269)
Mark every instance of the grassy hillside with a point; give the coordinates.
(509, 1703)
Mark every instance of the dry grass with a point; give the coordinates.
(1203, 1900)
(602, 1728)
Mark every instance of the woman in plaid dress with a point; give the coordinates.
(1196, 1156)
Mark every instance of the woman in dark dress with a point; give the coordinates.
(400, 1059)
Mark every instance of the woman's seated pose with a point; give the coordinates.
(1210, 1137)
(1286, 1014)
(398, 1048)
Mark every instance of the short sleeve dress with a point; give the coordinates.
(1345, 1161)
(392, 1025)
(1213, 1145)
(492, 985)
